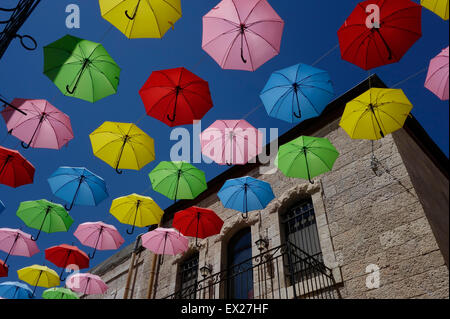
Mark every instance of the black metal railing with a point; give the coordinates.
(284, 272)
(11, 20)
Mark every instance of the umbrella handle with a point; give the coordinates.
(229, 164)
(171, 119)
(130, 232)
(35, 239)
(69, 90)
(21, 37)
(297, 115)
(245, 216)
(25, 146)
(119, 171)
(93, 254)
(68, 208)
(131, 18)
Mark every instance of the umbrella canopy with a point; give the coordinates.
(99, 235)
(176, 96)
(297, 93)
(306, 157)
(66, 255)
(122, 146)
(136, 210)
(197, 222)
(59, 293)
(242, 34)
(81, 68)
(15, 170)
(43, 126)
(376, 113)
(17, 243)
(39, 276)
(141, 19)
(370, 47)
(78, 186)
(246, 194)
(178, 180)
(440, 7)
(231, 142)
(15, 290)
(2, 207)
(45, 216)
(3, 269)
(437, 77)
(87, 284)
(165, 241)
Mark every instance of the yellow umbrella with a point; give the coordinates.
(122, 146)
(141, 18)
(376, 113)
(136, 210)
(440, 7)
(41, 276)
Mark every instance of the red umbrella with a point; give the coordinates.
(176, 96)
(197, 222)
(65, 255)
(368, 45)
(3, 269)
(15, 170)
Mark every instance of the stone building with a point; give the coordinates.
(360, 231)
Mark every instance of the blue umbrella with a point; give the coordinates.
(78, 186)
(2, 207)
(297, 93)
(246, 194)
(15, 290)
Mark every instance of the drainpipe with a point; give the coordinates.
(131, 269)
(152, 272)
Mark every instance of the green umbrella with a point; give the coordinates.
(306, 157)
(178, 180)
(59, 293)
(81, 68)
(45, 216)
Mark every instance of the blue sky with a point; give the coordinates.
(310, 32)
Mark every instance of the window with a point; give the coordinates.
(240, 272)
(300, 232)
(188, 277)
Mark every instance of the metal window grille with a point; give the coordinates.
(188, 276)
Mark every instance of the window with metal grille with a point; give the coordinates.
(300, 230)
(188, 277)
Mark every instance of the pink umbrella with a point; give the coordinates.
(231, 142)
(43, 126)
(437, 78)
(88, 284)
(242, 34)
(165, 241)
(17, 243)
(99, 235)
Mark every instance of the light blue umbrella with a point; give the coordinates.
(246, 194)
(15, 290)
(297, 93)
(78, 186)
(2, 207)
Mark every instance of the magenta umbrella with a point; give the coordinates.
(242, 34)
(17, 243)
(87, 284)
(99, 235)
(231, 142)
(43, 126)
(437, 78)
(165, 241)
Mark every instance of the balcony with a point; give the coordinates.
(284, 272)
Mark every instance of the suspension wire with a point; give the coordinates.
(410, 77)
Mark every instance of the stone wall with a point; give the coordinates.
(362, 219)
